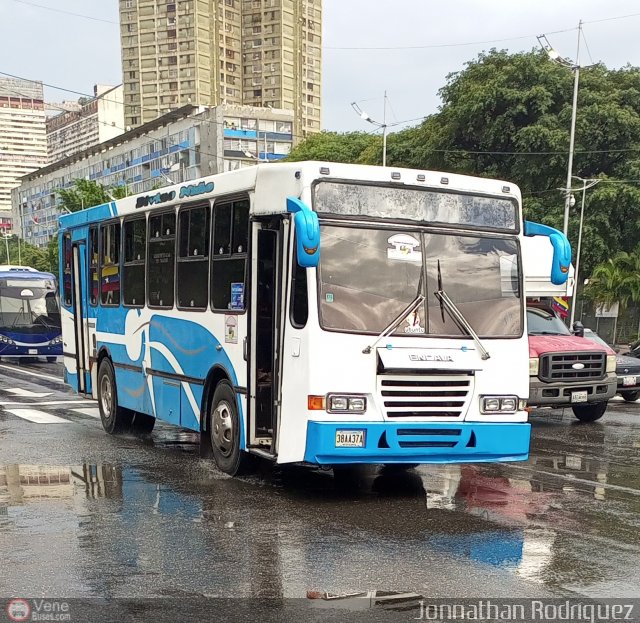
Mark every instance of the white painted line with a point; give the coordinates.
(90, 411)
(36, 416)
(70, 401)
(57, 379)
(26, 393)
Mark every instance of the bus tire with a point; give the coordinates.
(590, 412)
(52, 359)
(630, 396)
(224, 432)
(142, 423)
(115, 419)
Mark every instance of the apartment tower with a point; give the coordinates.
(23, 138)
(208, 52)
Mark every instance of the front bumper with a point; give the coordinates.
(628, 388)
(418, 442)
(559, 394)
(35, 350)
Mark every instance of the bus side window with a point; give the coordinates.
(193, 258)
(161, 259)
(93, 265)
(135, 247)
(229, 255)
(110, 265)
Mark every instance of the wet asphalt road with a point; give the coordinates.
(83, 514)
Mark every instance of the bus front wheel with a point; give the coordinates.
(115, 419)
(224, 431)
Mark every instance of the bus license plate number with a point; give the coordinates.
(579, 396)
(628, 380)
(349, 439)
(33, 351)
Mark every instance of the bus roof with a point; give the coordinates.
(23, 273)
(282, 180)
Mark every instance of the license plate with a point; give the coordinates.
(33, 351)
(579, 396)
(628, 380)
(350, 439)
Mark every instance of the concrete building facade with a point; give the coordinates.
(23, 141)
(186, 144)
(264, 53)
(96, 121)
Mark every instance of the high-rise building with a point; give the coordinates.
(90, 122)
(23, 140)
(263, 53)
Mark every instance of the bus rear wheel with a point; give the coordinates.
(223, 426)
(115, 419)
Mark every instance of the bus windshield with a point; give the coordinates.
(34, 309)
(367, 277)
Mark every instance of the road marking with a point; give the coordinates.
(11, 403)
(90, 411)
(56, 379)
(36, 416)
(27, 393)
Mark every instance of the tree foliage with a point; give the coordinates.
(87, 193)
(333, 147)
(508, 116)
(28, 254)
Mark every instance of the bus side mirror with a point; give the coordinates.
(561, 250)
(307, 233)
(578, 329)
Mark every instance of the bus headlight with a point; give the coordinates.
(6, 340)
(611, 363)
(56, 340)
(534, 365)
(337, 403)
(499, 404)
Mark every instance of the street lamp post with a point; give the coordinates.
(586, 183)
(575, 67)
(382, 125)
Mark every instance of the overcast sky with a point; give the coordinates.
(75, 53)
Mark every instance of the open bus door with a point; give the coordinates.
(79, 349)
(268, 239)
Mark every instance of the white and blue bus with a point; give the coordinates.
(29, 314)
(308, 312)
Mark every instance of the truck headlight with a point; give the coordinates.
(534, 365)
(339, 403)
(611, 363)
(499, 404)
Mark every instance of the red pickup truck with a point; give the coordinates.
(565, 368)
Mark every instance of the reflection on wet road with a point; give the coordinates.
(85, 514)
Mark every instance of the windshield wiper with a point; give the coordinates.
(397, 320)
(44, 322)
(458, 317)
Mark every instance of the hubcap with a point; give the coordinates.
(222, 428)
(106, 396)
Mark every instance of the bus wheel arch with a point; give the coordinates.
(115, 419)
(216, 375)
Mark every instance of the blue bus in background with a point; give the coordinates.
(29, 314)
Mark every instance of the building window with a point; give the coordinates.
(133, 283)
(162, 252)
(193, 257)
(229, 255)
(110, 264)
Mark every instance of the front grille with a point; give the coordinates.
(559, 366)
(432, 395)
(423, 435)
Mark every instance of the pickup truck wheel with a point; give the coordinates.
(590, 412)
(630, 396)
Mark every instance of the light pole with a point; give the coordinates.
(586, 183)
(575, 67)
(382, 125)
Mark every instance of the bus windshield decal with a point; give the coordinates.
(416, 204)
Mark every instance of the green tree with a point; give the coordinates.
(88, 193)
(333, 147)
(27, 254)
